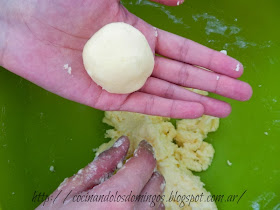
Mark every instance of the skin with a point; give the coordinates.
(38, 37)
(137, 175)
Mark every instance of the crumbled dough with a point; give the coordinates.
(156, 32)
(69, 71)
(237, 67)
(224, 52)
(229, 163)
(174, 160)
(52, 168)
(201, 92)
(195, 154)
(68, 68)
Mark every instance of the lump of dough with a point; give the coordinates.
(118, 58)
(179, 150)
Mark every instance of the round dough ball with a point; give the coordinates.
(118, 58)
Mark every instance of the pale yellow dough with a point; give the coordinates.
(118, 58)
(175, 161)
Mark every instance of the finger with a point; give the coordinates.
(170, 2)
(185, 50)
(169, 90)
(153, 188)
(98, 170)
(189, 76)
(134, 175)
(154, 105)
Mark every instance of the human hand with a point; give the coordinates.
(42, 36)
(136, 177)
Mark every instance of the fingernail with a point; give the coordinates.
(180, 2)
(120, 141)
(158, 175)
(147, 146)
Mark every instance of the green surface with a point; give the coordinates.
(39, 129)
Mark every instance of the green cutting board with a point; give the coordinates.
(39, 129)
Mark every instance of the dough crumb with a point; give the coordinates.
(13, 193)
(224, 52)
(235, 19)
(156, 33)
(237, 67)
(229, 163)
(259, 85)
(65, 66)
(178, 2)
(218, 77)
(68, 68)
(52, 168)
(266, 133)
(120, 164)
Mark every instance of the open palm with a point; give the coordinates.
(44, 37)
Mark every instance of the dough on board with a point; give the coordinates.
(175, 161)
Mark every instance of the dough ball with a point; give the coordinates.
(118, 58)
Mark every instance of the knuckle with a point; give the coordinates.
(169, 92)
(171, 109)
(184, 50)
(183, 75)
(149, 105)
(211, 58)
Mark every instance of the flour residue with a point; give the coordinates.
(175, 19)
(220, 27)
(214, 25)
(263, 200)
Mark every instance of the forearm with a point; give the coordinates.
(3, 29)
(9, 16)
(3, 41)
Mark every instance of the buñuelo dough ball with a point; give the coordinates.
(118, 58)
